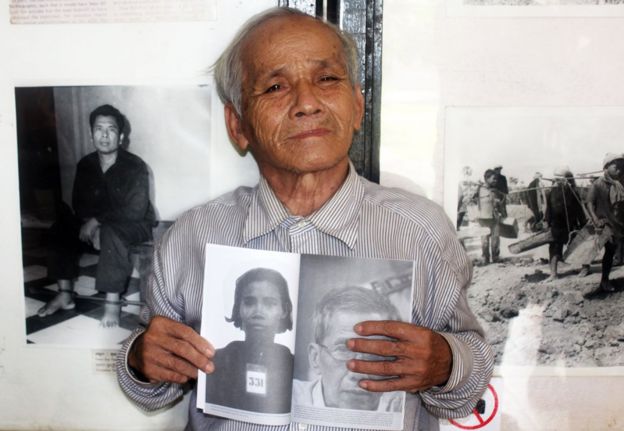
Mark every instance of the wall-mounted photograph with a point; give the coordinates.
(536, 196)
(103, 172)
(536, 8)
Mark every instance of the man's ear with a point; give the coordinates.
(314, 357)
(234, 127)
(359, 107)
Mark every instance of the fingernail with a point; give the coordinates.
(363, 384)
(351, 364)
(357, 328)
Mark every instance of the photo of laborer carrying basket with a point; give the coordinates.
(566, 222)
(491, 203)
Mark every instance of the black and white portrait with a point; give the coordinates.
(255, 373)
(335, 295)
(249, 318)
(98, 184)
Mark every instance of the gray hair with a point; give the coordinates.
(228, 69)
(350, 299)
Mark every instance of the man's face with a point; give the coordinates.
(261, 308)
(491, 180)
(615, 169)
(105, 134)
(340, 386)
(299, 108)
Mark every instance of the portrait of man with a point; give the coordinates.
(255, 374)
(111, 211)
(336, 386)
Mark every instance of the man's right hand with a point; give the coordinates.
(170, 351)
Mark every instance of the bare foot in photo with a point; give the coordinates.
(112, 313)
(64, 300)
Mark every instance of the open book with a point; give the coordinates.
(280, 322)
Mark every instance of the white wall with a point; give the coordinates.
(59, 388)
(432, 61)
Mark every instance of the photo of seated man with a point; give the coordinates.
(335, 315)
(255, 374)
(111, 212)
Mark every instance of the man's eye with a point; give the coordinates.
(273, 88)
(328, 78)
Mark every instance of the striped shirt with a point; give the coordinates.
(362, 219)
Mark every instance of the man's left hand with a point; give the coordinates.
(87, 230)
(422, 357)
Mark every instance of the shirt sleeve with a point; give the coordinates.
(473, 361)
(147, 395)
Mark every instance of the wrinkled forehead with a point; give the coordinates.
(343, 321)
(275, 41)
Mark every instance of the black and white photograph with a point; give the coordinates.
(536, 8)
(334, 295)
(255, 373)
(541, 2)
(97, 187)
(537, 194)
(249, 318)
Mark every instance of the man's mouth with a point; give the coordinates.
(312, 133)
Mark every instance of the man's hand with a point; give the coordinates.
(169, 351)
(423, 358)
(87, 230)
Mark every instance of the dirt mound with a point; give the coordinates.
(532, 322)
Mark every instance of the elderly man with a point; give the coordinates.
(288, 82)
(335, 385)
(605, 204)
(112, 211)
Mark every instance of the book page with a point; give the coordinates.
(335, 293)
(249, 306)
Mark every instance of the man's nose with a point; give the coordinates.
(306, 99)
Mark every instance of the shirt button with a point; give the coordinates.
(302, 224)
(303, 427)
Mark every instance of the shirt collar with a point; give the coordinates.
(317, 394)
(338, 217)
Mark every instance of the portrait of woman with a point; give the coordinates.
(255, 374)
